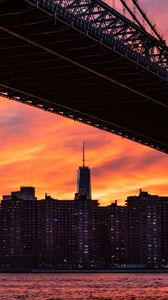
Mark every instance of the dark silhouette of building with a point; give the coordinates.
(25, 193)
(144, 235)
(112, 235)
(80, 235)
(49, 233)
(116, 234)
(88, 228)
(164, 230)
(83, 179)
(18, 232)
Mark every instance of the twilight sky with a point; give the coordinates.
(44, 150)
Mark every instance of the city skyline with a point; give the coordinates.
(49, 158)
(84, 149)
(80, 234)
(41, 149)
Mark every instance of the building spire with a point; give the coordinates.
(83, 154)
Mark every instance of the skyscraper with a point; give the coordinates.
(83, 180)
(144, 237)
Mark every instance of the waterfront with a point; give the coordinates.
(83, 286)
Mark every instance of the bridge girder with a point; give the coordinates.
(79, 59)
(99, 16)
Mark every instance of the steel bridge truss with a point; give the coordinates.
(111, 28)
(98, 21)
(43, 104)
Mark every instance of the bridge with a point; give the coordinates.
(85, 60)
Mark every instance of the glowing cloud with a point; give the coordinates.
(44, 150)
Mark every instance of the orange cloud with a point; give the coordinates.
(44, 150)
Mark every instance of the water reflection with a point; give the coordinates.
(83, 286)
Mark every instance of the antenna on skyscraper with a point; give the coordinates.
(83, 154)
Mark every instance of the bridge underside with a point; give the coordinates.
(47, 63)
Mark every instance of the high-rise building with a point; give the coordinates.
(84, 179)
(18, 241)
(164, 230)
(144, 230)
(116, 234)
(112, 235)
(79, 234)
(27, 193)
(88, 233)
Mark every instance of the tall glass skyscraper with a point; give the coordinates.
(83, 179)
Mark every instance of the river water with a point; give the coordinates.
(83, 286)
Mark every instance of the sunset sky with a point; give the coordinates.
(44, 150)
